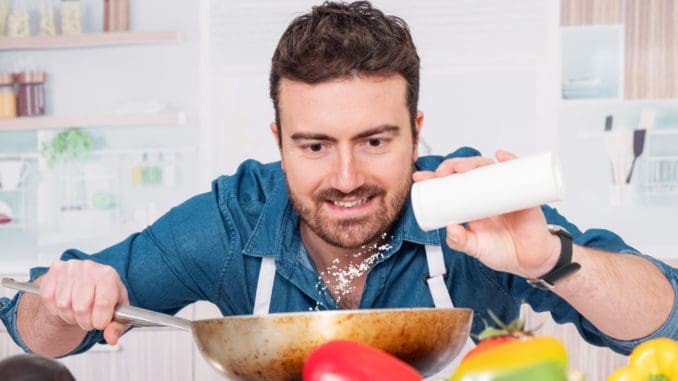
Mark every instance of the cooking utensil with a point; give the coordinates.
(12, 173)
(638, 144)
(274, 347)
(618, 142)
(608, 122)
(135, 316)
(647, 118)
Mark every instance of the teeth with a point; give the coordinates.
(350, 204)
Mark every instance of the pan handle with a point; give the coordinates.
(135, 316)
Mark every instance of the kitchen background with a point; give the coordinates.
(144, 111)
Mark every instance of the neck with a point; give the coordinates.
(326, 255)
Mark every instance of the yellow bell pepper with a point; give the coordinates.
(532, 359)
(653, 360)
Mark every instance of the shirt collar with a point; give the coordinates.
(275, 225)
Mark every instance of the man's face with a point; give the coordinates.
(348, 153)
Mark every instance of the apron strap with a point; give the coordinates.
(436, 282)
(262, 301)
(442, 299)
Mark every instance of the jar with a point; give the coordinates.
(18, 22)
(30, 93)
(7, 96)
(116, 15)
(70, 17)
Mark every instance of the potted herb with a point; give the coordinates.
(72, 143)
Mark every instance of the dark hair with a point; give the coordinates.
(338, 40)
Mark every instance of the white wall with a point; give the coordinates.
(490, 79)
(483, 70)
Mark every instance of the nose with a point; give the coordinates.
(348, 174)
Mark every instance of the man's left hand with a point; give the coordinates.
(518, 242)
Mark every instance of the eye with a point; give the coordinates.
(375, 142)
(317, 147)
(314, 149)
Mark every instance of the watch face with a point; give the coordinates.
(557, 229)
(540, 284)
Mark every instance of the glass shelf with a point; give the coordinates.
(592, 62)
(89, 40)
(102, 120)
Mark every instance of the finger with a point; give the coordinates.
(109, 293)
(106, 298)
(460, 239)
(113, 332)
(48, 291)
(81, 301)
(123, 297)
(461, 164)
(62, 300)
(422, 175)
(503, 155)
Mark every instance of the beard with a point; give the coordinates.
(352, 233)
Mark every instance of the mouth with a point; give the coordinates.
(353, 208)
(357, 204)
(351, 204)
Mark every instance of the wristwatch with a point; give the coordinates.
(564, 267)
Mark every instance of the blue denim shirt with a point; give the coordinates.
(210, 248)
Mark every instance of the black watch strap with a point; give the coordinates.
(564, 267)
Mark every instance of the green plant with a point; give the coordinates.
(72, 143)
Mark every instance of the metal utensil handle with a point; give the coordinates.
(146, 318)
(135, 316)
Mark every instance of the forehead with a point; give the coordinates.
(347, 103)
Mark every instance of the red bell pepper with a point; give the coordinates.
(344, 360)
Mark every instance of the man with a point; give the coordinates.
(333, 225)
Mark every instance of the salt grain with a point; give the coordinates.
(341, 278)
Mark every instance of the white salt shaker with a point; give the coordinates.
(488, 191)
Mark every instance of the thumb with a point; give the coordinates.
(422, 175)
(114, 331)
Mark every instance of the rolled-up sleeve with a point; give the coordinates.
(156, 274)
(8, 316)
(8, 311)
(668, 329)
(563, 312)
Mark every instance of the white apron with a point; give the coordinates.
(436, 285)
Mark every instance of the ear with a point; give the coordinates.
(276, 136)
(418, 124)
(275, 133)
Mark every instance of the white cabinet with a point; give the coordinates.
(141, 355)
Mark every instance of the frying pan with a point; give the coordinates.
(274, 346)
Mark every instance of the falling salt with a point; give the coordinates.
(341, 278)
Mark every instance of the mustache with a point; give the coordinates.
(362, 192)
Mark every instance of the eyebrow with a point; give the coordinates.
(324, 137)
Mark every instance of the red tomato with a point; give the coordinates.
(344, 360)
(488, 344)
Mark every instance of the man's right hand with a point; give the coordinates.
(85, 293)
